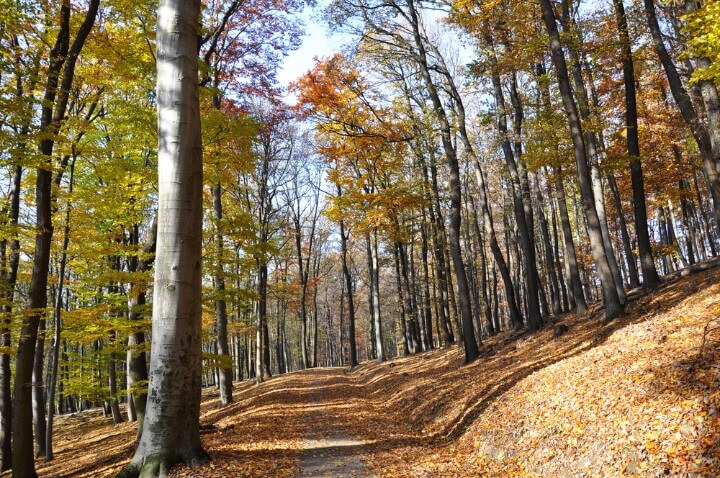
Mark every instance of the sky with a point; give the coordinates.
(317, 43)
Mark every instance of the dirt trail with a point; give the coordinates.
(330, 449)
(334, 421)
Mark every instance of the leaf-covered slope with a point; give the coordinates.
(578, 398)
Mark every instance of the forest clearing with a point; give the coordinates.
(653, 407)
(304, 238)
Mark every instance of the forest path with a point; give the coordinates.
(330, 449)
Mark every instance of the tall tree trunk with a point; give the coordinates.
(171, 431)
(375, 293)
(137, 370)
(10, 280)
(611, 299)
(112, 385)
(429, 343)
(225, 370)
(438, 236)
(413, 333)
(577, 296)
(647, 263)
(344, 236)
(55, 354)
(408, 347)
(61, 74)
(627, 245)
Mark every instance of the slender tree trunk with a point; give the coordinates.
(375, 293)
(408, 347)
(611, 299)
(55, 355)
(438, 236)
(112, 385)
(10, 279)
(38, 390)
(627, 245)
(647, 263)
(344, 236)
(225, 370)
(137, 370)
(577, 295)
(429, 344)
(61, 73)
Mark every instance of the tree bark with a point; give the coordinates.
(611, 299)
(61, 73)
(577, 296)
(171, 431)
(344, 236)
(647, 263)
(221, 319)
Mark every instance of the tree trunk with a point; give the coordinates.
(171, 431)
(137, 372)
(61, 73)
(627, 245)
(375, 293)
(55, 355)
(429, 344)
(647, 263)
(349, 288)
(225, 369)
(577, 296)
(10, 279)
(613, 305)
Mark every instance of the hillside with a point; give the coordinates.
(578, 398)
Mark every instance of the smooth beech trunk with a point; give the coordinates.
(171, 431)
(374, 271)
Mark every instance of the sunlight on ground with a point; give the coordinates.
(628, 398)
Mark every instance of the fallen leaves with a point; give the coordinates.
(630, 398)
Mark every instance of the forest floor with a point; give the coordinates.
(635, 397)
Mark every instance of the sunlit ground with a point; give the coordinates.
(632, 397)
